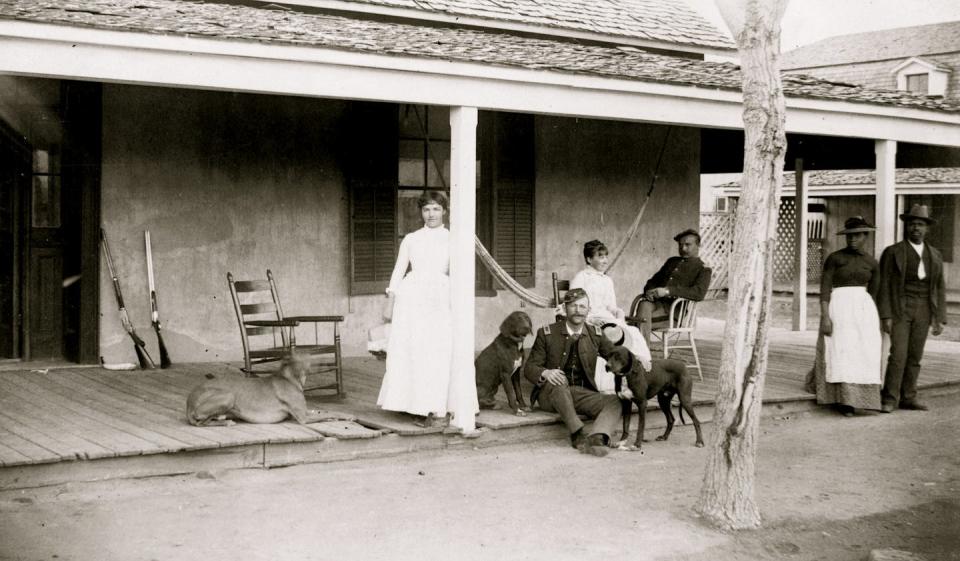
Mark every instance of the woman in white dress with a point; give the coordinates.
(603, 300)
(417, 377)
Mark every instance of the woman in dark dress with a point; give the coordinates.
(847, 370)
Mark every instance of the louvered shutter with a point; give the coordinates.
(371, 167)
(514, 228)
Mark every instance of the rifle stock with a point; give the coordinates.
(164, 355)
(138, 345)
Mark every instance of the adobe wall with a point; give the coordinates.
(244, 183)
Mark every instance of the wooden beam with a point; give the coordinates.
(800, 251)
(886, 151)
(463, 211)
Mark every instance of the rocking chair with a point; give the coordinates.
(268, 335)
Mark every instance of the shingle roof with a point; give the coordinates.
(904, 176)
(888, 44)
(670, 21)
(240, 23)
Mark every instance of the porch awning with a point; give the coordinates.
(221, 46)
(845, 182)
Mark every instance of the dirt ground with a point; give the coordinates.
(829, 488)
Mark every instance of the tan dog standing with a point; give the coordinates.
(270, 399)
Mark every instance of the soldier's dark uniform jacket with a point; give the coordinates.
(550, 351)
(685, 277)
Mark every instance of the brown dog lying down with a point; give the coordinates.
(270, 399)
(665, 379)
(500, 364)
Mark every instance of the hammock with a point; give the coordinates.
(499, 273)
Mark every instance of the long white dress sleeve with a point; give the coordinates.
(400, 268)
(599, 288)
(603, 308)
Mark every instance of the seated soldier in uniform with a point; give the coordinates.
(562, 364)
(683, 276)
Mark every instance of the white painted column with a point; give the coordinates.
(886, 151)
(463, 210)
(800, 257)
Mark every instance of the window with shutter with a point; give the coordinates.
(514, 227)
(370, 166)
(394, 152)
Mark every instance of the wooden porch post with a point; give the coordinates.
(800, 258)
(463, 209)
(886, 151)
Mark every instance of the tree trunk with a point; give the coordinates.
(727, 498)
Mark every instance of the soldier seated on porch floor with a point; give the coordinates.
(562, 364)
(683, 276)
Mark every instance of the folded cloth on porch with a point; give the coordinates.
(377, 339)
(853, 350)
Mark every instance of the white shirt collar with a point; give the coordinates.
(917, 247)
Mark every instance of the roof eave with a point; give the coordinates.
(493, 24)
(69, 52)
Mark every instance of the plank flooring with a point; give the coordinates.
(71, 414)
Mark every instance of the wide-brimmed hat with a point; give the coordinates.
(920, 212)
(614, 333)
(854, 225)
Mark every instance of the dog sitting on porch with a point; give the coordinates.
(270, 399)
(499, 364)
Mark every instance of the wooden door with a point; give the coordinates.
(44, 291)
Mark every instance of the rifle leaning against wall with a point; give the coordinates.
(138, 345)
(154, 312)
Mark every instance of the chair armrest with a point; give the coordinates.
(316, 319)
(288, 322)
(630, 320)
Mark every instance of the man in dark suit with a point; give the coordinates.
(683, 276)
(911, 300)
(562, 364)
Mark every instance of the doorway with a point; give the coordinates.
(49, 209)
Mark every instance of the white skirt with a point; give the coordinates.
(417, 377)
(852, 352)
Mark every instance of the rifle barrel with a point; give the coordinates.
(138, 345)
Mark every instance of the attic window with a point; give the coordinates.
(918, 83)
(922, 77)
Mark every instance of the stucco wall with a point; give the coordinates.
(243, 183)
(592, 178)
(224, 183)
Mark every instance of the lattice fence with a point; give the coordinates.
(716, 233)
(783, 256)
(716, 230)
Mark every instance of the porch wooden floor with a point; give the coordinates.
(90, 413)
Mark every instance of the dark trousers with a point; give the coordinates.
(649, 309)
(907, 339)
(568, 401)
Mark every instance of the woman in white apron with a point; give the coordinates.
(847, 371)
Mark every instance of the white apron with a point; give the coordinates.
(852, 352)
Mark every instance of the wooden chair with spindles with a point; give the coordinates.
(268, 335)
